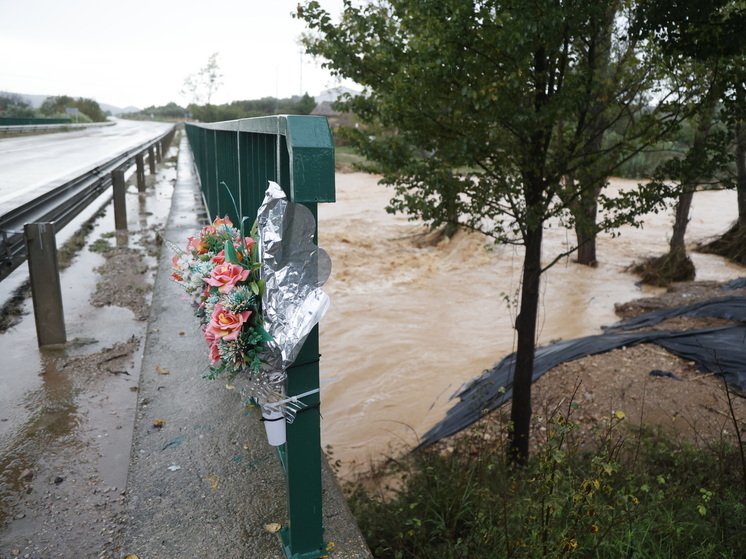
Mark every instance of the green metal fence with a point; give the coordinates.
(12, 121)
(296, 152)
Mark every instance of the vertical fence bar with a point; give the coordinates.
(46, 292)
(120, 203)
(298, 153)
(303, 536)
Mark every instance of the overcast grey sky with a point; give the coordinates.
(138, 52)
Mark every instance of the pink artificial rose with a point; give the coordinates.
(222, 221)
(213, 343)
(249, 243)
(219, 257)
(214, 353)
(224, 324)
(225, 276)
(196, 244)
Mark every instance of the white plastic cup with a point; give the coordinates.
(274, 425)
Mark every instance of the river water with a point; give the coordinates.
(408, 326)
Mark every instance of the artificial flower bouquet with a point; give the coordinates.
(257, 297)
(220, 270)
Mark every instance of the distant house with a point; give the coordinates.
(324, 107)
(334, 93)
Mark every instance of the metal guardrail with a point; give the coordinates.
(22, 121)
(29, 128)
(61, 204)
(296, 152)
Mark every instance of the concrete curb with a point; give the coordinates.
(206, 483)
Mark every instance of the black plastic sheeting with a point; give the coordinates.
(728, 308)
(721, 350)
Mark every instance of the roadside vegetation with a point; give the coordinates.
(505, 118)
(228, 111)
(627, 492)
(14, 106)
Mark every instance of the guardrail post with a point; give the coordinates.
(151, 159)
(159, 151)
(140, 164)
(120, 204)
(46, 292)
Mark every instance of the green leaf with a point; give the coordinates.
(265, 337)
(230, 253)
(262, 285)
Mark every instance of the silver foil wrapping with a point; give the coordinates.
(294, 270)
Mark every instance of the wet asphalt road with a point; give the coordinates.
(30, 165)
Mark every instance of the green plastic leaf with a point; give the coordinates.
(265, 335)
(262, 285)
(230, 253)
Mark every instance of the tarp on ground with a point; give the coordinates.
(728, 308)
(720, 350)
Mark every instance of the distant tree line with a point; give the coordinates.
(13, 105)
(230, 111)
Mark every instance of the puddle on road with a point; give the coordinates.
(66, 415)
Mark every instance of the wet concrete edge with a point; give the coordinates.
(206, 483)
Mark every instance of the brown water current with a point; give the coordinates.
(409, 325)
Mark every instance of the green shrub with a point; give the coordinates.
(640, 496)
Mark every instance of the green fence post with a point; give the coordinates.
(241, 157)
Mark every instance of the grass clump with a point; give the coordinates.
(731, 245)
(101, 245)
(663, 270)
(640, 496)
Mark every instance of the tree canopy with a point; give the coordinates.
(56, 105)
(202, 85)
(482, 114)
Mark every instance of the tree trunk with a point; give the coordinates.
(585, 228)
(681, 220)
(520, 412)
(741, 172)
(450, 193)
(586, 250)
(589, 179)
(697, 155)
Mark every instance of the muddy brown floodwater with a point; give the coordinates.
(409, 325)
